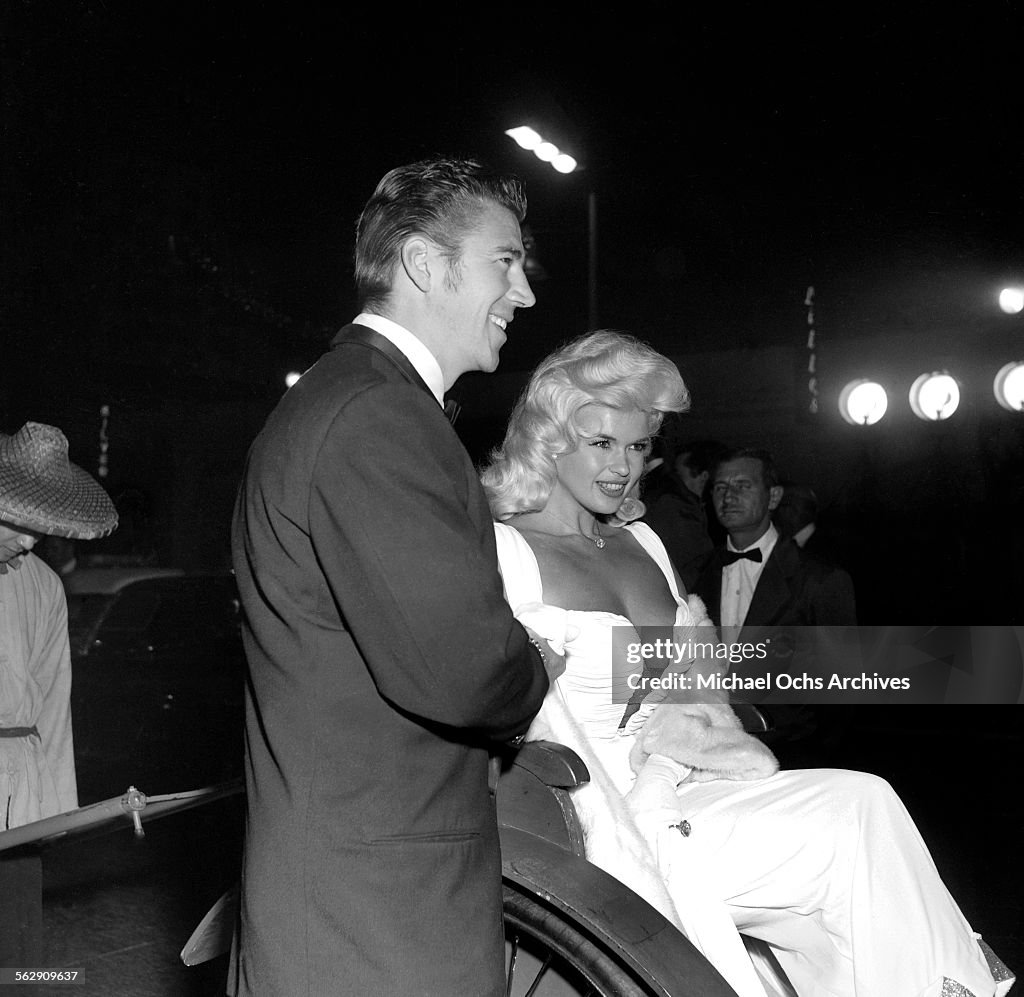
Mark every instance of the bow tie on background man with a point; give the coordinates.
(732, 556)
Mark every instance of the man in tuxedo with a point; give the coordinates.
(384, 662)
(764, 589)
(759, 579)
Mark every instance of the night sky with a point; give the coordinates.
(181, 180)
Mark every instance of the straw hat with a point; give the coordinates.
(41, 490)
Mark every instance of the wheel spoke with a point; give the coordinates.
(547, 956)
(543, 969)
(514, 951)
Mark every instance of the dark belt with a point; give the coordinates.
(32, 731)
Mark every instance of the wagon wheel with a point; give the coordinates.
(549, 956)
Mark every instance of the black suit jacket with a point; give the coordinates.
(383, 661)
(798, 616)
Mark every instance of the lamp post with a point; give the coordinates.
(547, 152)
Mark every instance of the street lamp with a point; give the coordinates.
(935, 396)
(1011, 300)
(1009, 386)
(547, 152)
(863, 402)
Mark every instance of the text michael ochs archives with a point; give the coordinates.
(711, 666)
(783, 681)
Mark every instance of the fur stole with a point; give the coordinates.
(700, 729)
(707, 737)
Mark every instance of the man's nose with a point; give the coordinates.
(521, 292)
(25, 541)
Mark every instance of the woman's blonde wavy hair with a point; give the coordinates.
(603, 368)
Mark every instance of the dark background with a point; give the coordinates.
(180, 184)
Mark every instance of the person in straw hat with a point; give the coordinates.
(41, 493)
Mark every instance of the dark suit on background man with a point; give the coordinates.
(384, 662)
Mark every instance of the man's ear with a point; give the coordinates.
(774, 497)
(416, 261)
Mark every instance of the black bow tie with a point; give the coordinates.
(732, 556)
(452, 409)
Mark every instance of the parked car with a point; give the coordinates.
(158, 678)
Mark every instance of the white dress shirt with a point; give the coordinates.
(415, 352)
(739, 579)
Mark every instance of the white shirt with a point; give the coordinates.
(413, 349)
(37, 774)
(740, 578)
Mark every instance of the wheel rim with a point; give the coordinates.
(548, 955)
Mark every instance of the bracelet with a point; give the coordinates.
(540, 650)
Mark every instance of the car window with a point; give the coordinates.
(132, 612)
(85, 611)
(184, 615)
(162, 613)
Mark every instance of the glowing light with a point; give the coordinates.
(1011, 300)
(863, 402)
(1009, 386)
(546, 152)
(935, 396)
(524, 137)
(564, 163)
(291, 378)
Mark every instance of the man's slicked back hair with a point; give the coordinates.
(437, 198)
(769, 472)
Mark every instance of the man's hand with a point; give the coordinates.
(554, 663)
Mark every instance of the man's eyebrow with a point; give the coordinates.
(515, 251)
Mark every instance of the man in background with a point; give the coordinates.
(674, 496)
(757, 578)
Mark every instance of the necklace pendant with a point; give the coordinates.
(599, 543)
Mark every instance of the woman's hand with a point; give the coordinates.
(554, 663)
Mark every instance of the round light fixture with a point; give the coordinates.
(1011, 300)
(863, 402)
(564, 163)
(935, 396)
(1009, 386)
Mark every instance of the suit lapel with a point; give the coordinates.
(773, 591)
(710, 585)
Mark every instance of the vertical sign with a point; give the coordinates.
(101, 470)
(812, 356)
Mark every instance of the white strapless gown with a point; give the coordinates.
(825, 866)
